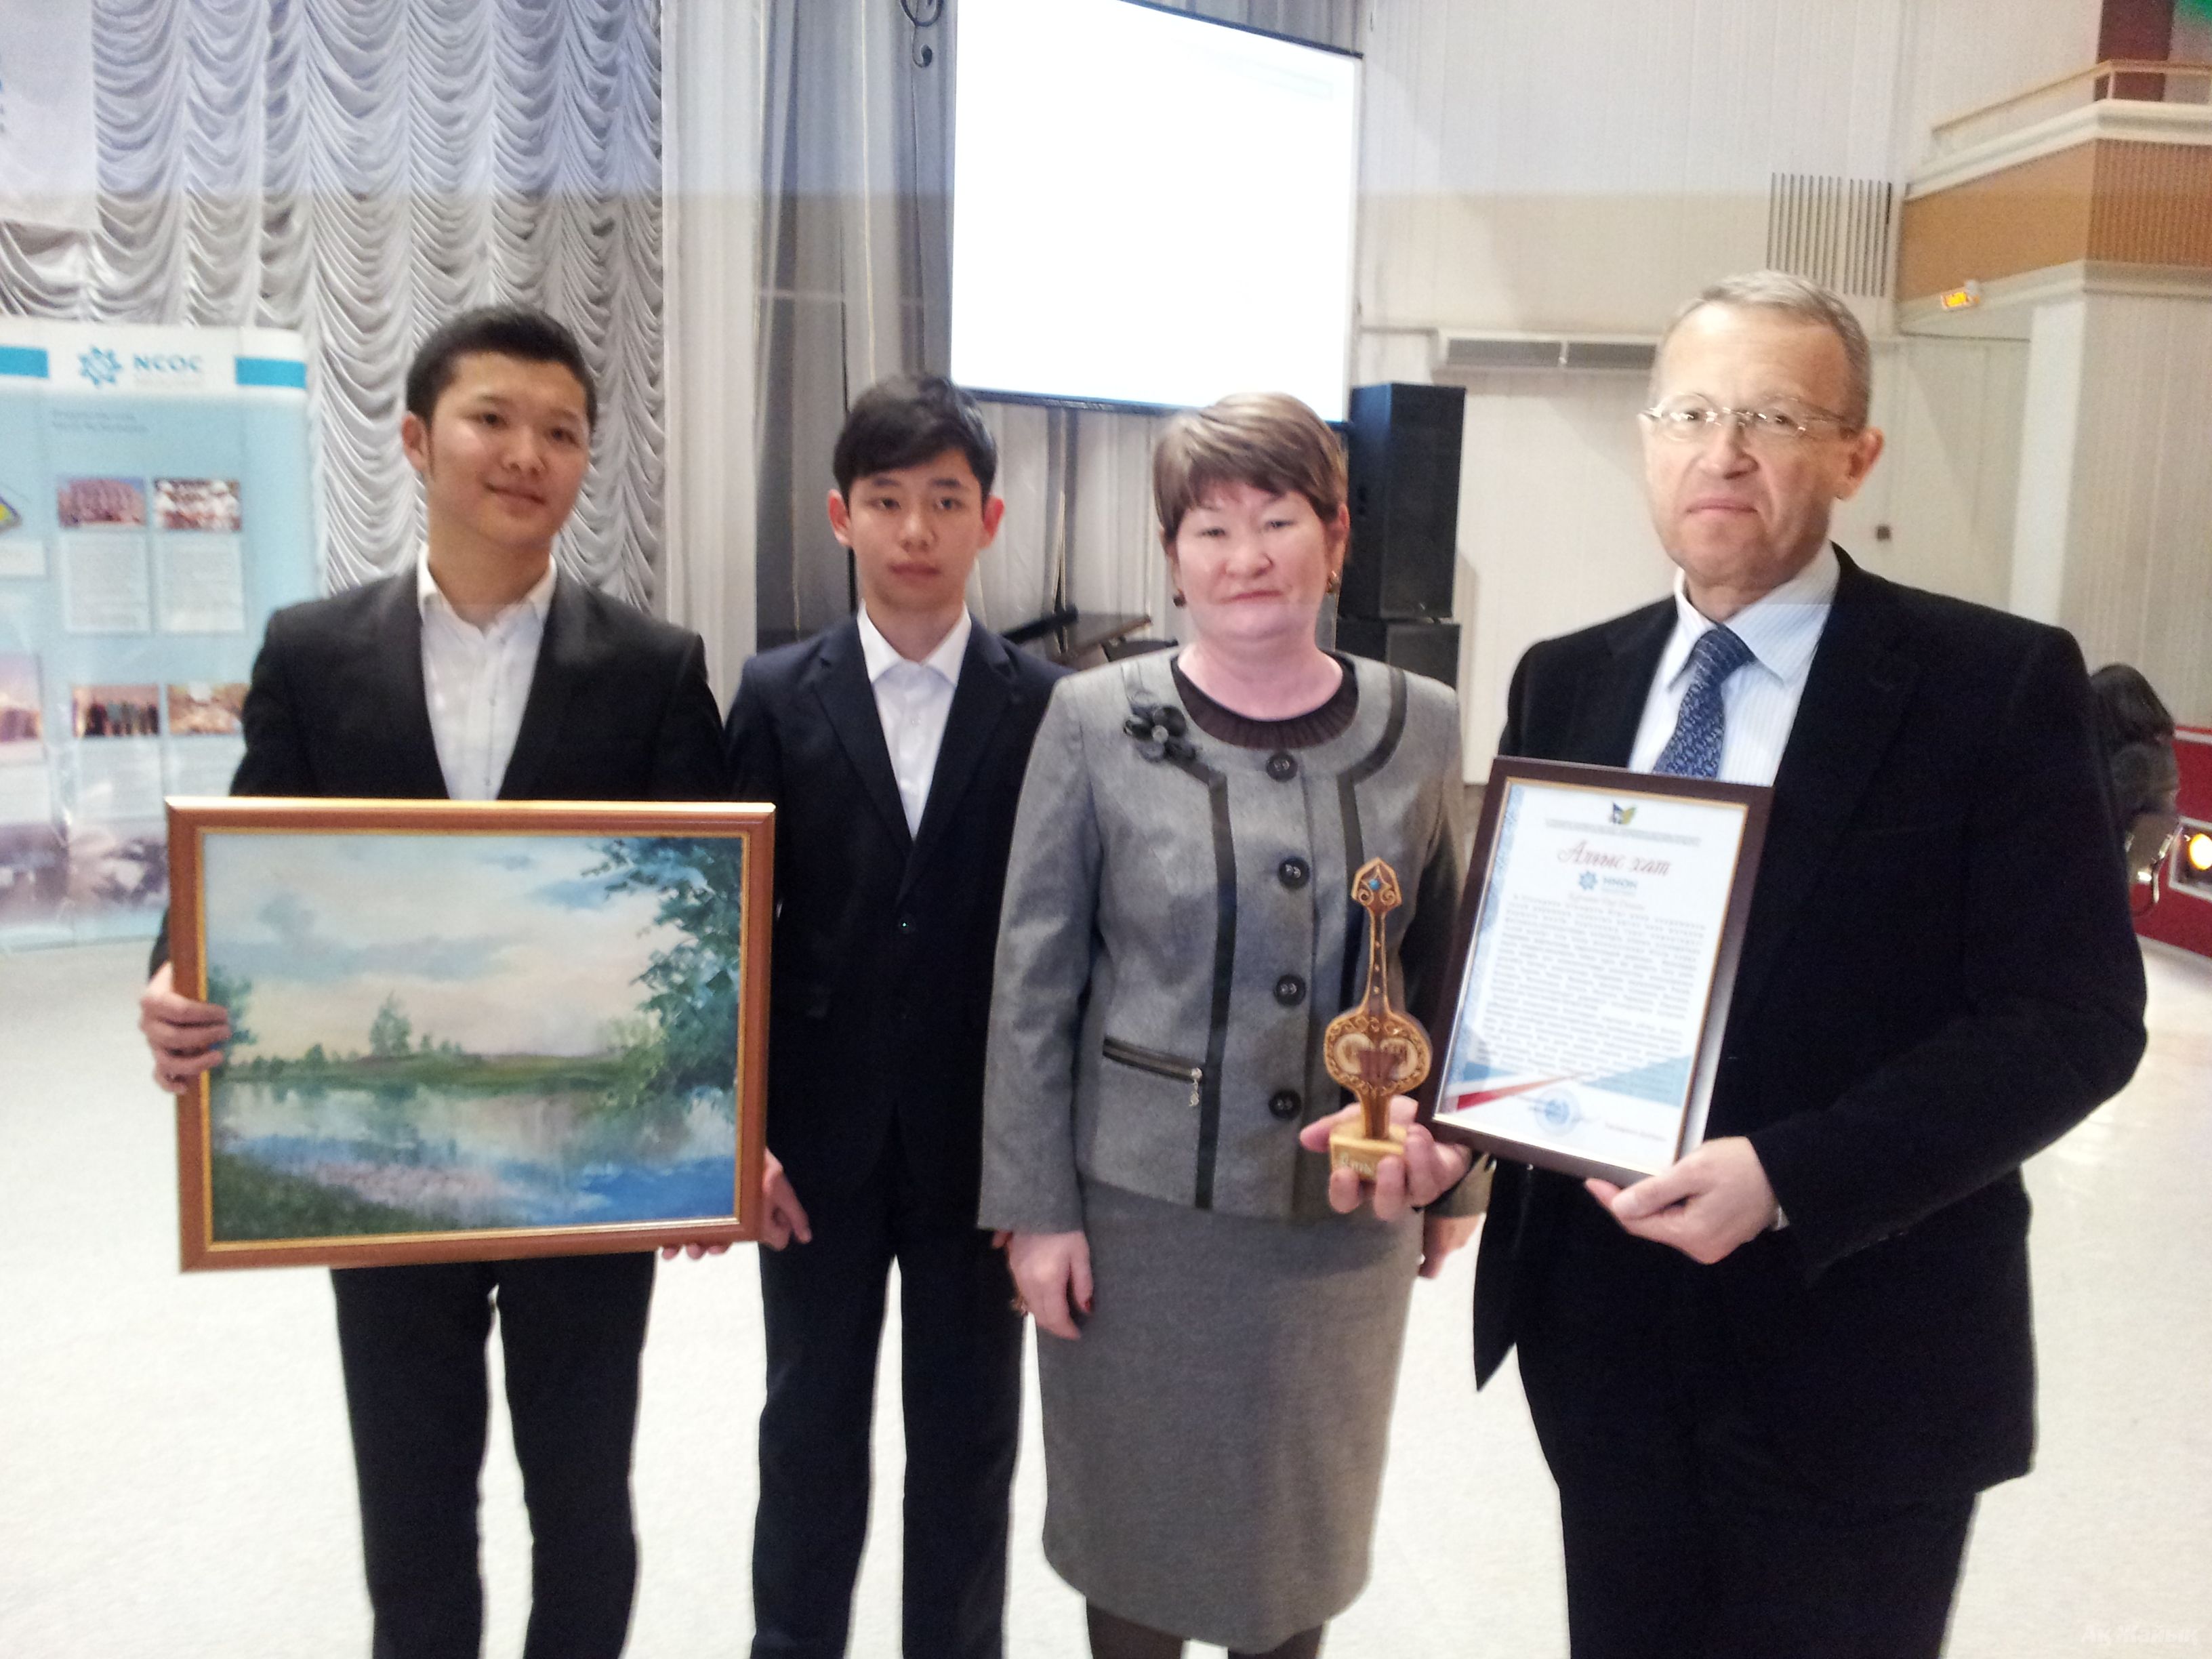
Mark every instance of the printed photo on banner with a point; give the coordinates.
(207, 711)
(197, 504)
(116, 711)
(33, 873)
(119, 866)
(101, 504)
(22, 720)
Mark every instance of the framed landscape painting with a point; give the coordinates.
(470, 1031)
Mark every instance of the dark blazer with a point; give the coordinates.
(884, 938)
(619, 708)
(1939, 979)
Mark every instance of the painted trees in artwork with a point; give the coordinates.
(691, 987)
(390, 1034)
(230, 991)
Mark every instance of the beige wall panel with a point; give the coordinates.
(1583, 264)
(1945, 486)
(2023, 218)
(1965, 54)
(1554, 535)
(2050, 434)
(2152, 204)
(1584, 165)
(2138, 577)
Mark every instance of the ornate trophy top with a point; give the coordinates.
(1376, 1050)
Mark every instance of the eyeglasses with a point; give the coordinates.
(1774, 428)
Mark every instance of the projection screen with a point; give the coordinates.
(1149, 208)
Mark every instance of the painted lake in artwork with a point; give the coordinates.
(314, 1160)
(471, 1032)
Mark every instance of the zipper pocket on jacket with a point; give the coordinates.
(1160, 1065)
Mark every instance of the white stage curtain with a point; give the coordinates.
(360, 169)
(711, 119)
(856, 274)
(856, 160)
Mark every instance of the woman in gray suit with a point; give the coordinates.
(1219, 1347)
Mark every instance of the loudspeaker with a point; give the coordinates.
(1404, 462)
(1418, 648)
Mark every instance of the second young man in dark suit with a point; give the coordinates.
(479, 672)
(893, 745)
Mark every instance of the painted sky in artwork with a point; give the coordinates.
(501, 943)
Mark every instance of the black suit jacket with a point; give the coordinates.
(1939, 979)
(884, 938)
(619, 706)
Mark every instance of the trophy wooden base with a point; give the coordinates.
(1349, 1150)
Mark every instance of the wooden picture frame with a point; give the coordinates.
(1540, 1060)
(470, 1031)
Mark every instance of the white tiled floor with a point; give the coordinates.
(174, 1481)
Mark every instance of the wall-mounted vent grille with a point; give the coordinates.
(1836, 231)
(1470, 354)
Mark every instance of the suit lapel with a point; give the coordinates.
(560, 667)
(1610, 704)
(978, 702)
(1861, 678)
(840, 678)
(395, 670)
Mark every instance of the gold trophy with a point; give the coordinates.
(1375, 1050)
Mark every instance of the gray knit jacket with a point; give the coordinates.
(1178, 929)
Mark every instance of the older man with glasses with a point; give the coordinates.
(1771, 1380)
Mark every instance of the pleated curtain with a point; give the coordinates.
(359, 170)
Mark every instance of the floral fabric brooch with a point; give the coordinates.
(1159, 731)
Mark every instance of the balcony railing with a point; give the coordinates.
(2136, 80)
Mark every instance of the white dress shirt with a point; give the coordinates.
(1758, 702)
(477, 680)
(912, 702)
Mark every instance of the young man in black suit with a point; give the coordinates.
(893, 745)
(479, 672)
(1771, 1380)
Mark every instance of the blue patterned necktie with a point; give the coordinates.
(1694, 751)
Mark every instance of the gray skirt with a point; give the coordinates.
(1214, 1442)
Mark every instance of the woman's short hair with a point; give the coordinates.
(1267, 440)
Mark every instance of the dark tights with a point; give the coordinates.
(1122, 1638)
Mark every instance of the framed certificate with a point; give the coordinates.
(1596, 952)
(471, 1031)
